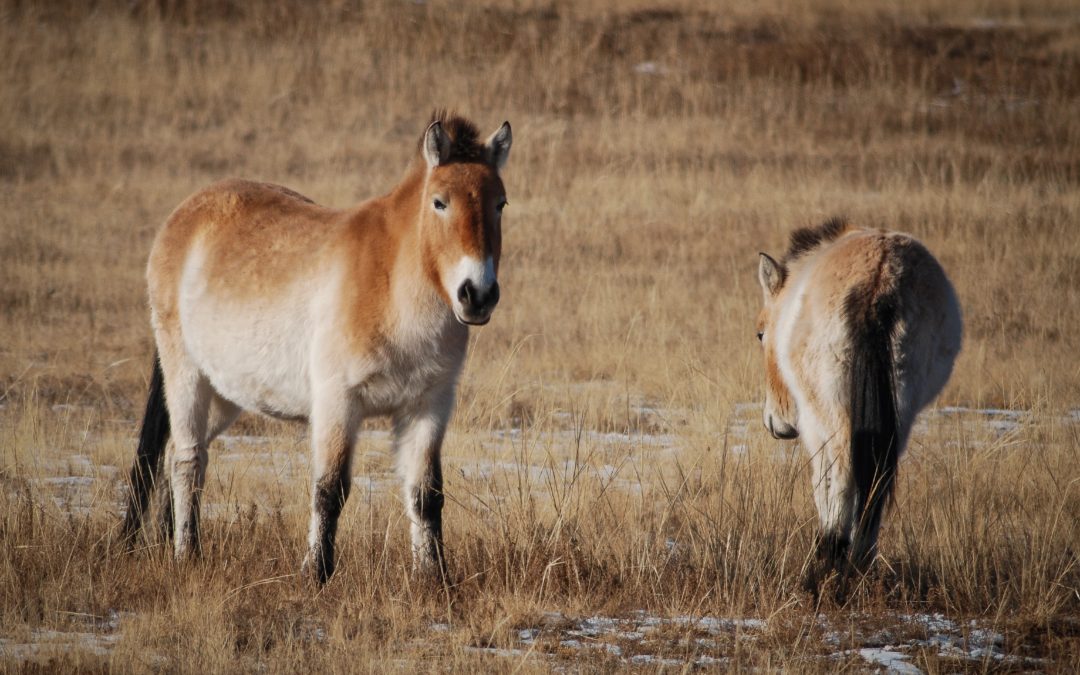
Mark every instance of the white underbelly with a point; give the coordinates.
(259, 352)
(255, 353)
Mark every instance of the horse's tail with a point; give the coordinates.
(148, 457)
(875, 437)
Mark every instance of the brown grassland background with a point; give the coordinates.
(658, 145)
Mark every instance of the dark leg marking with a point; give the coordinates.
(830, 555)
(166, 524)
(427, 504)
(330, 495)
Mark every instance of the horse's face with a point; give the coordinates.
(780, 413)
(461, 223)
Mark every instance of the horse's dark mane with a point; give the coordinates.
(806, 239)
(465, 143)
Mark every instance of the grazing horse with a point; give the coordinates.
(262, 300)
(860, 329)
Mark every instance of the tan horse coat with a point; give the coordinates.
(262, 300)
(860, 329)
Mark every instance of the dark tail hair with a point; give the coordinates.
(149, 456)
(874, 433)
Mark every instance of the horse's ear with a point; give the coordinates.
(498, 146)
(436, 146)
(770, 274)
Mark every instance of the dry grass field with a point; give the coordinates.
(612, 499)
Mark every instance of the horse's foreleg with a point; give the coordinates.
(333, 431)
(418, 442)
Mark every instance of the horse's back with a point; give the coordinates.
(245, 232)
(866, 268)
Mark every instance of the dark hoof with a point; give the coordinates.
(315, 571)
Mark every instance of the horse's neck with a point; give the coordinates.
(417, 306)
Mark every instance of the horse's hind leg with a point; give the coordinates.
(188, 395)
(222, 414)
(163, 501)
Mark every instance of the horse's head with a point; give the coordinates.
(780, 414)
(461, 214)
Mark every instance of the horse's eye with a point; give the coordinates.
(501, 205)
(439, 204)
(760, 335)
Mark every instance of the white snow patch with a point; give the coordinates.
(999, 420)
(650, 68)
(528, 634)
(69, 481)
(894, 662)
(653, 660)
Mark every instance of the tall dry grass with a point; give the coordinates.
(658, 147)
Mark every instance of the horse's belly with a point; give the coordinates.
(260, 363)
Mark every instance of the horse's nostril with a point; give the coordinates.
(466, 292)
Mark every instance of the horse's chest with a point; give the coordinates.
(404, 378)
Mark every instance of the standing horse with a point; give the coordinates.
(262, 300)
(860, 329)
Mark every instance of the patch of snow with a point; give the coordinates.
(943, 635)
(69, 481)
(933, 623)
(45, 642)
(984, 412)
(653, 660)
(716, 625)
(565, 437)
(985, 637)
(894, 662)
(650, 68)
(374, 484)
(528, 634)
(999, 420)
(232, 440)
